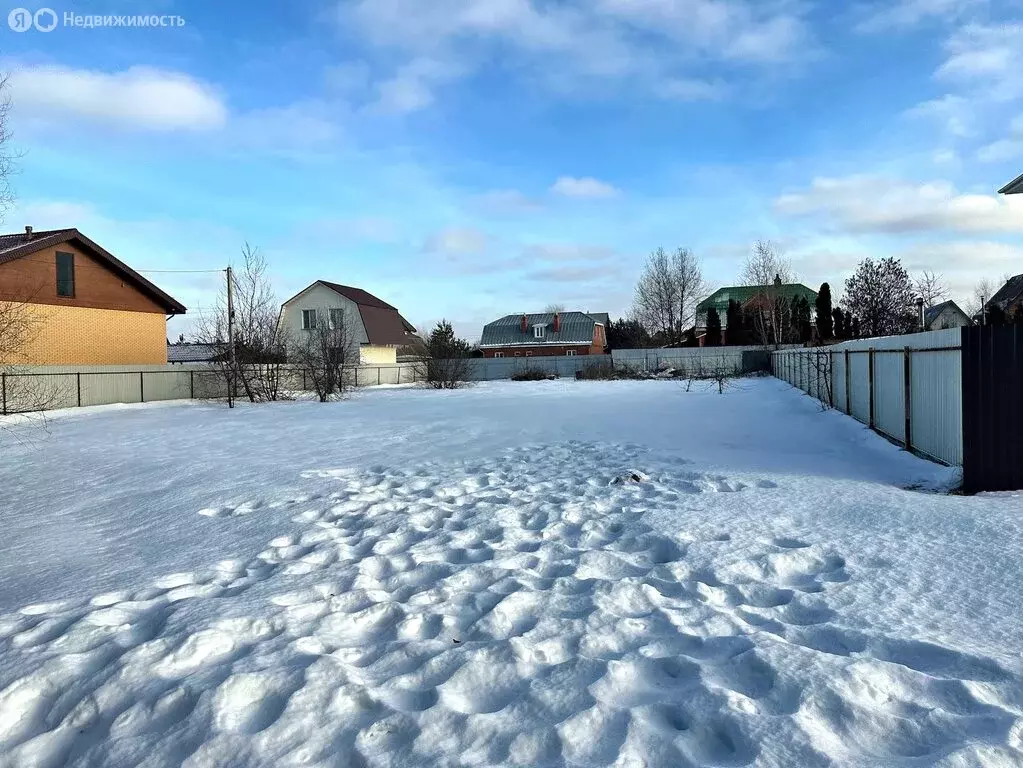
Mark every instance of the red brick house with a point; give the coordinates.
(546, 334)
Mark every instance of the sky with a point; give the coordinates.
(467, 159)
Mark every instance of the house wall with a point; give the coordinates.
(542, 350)
(948, 318)
(322, 299)
(33, 278)
(88, 336)
(370, 355)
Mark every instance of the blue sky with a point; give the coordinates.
(484, 157)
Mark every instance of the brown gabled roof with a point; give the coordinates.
(384, 324)
(22, 244)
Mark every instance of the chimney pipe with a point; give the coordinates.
(28, 232)
(524, 325)
(920, 311)
(557, 322)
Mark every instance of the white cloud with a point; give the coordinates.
(659, 47)
(457, 241)
(586, 187)
(991, 56)
(875, 204)
(890, 15)
(412, 87)
(1004, 150)
(955, 114)
(507, 201)
(139, 98)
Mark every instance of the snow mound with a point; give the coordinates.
(509, 611)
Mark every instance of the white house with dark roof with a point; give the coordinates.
(377, 327)
(545, 334)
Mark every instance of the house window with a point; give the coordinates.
(529, 354)
(539, 331)
(570, 352)
(65, 274)
(518, 354)
(308, 319)
(499, 354)
(337, 318)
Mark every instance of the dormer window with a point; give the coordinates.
(539, 331)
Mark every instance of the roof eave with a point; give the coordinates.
(1014, 187)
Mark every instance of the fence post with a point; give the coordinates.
(78, 386)
(142, 387)
(907, 398)
(830, 374)
(191, 385)
(399, 373)
(3, 387)
(303, 380)
(378, 376)
(870, 382)
(848, 402)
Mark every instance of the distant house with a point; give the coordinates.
(378, 329)
(1014, 187)
(545, 334)
(193, 353)
(1009, 297)
(746, 296)
(947, 314)
(86, 306)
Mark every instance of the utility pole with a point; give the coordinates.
(230, 338)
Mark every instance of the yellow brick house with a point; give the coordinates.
(83, 305)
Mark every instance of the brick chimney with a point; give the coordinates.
(524, 325)
(28, 232)
(557, 322)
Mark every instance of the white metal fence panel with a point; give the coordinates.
(890, 394)
(859, 382)
(934, 363)
(936, 405)
(838, 380)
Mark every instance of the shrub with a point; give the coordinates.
(533, 374)
(600, 372)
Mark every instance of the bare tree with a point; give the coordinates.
(553, 308)
(329, 353)
(768, 271)
(19, 320)
(930, 287)
(667, 293)
(819, 370)
(260, 340)
(8, 156)
(982, 293)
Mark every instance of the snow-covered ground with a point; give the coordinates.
(417, 578)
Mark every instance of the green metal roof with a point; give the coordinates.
(576, 328)
(743, 293)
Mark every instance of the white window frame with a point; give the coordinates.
(331, 315)
(539, 331)
(518, 354)
(307, 313)
(570, 353)
(499, 354)
(529, 354)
